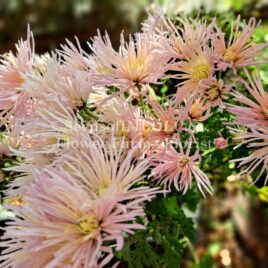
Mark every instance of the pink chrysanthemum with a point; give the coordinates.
(155, 22)
(199, 110)
(61, 224)
(214, 92)
(188, 39)
(71, 86)
(13, 68)
(193, 70)
(211, 93)
(178, 168)
(116, 111)
(254, 113)
(101, 166)
(122, 120)
(148, 127)
(256, 161)
(52, 130)
(74, 56)
(240, 50)
(126, 120)
(167, 122)
(139, 61)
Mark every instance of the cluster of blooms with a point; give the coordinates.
(253, 129)
(94, 142)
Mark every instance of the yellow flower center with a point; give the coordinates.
(136, 64)
(21, 80)
(201, 71)
(14, 201)
(122, 129)
(265, 111)
(212, 93)
(134, 70)
(67, 138)
(102, 189)
(88, 225)
(67, 262)
(183, 161)
(229, 56)
(78, 103)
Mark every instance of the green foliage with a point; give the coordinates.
(162, 243)
(207, 260)
(256, 192)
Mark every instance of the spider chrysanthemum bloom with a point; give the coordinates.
(256, 162)
(104, 165)
(188, 37)
(139, 61)
(73, 87)
(239, 50)
(254, 112)
(179, 168)
(117, 111)
(52, 130)
(155, 22)
(13, 68)
(74, 56)
(122, 119)
(136, 124)
(192, 71)
(213, 92)
(167, 120)
(199, 110)
(61, 224)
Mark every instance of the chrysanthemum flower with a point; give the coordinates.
(13, 68)
(199, 110)
(52, 130)
(167, 121)
(150, 125)
(61, 224)
(138, 61)
(192, 71)
(119, 118)
(254, 112)
(71, 86)
(155, 22)
(256, 161)
(74, 56)
(40, 138)
(239, 50)
(179, 168)
(214, 92)
(128, 121)
(115, 110)
(188, 39)
(103, 165)
(211, 93)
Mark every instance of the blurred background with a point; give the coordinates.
(232, 224)
(54, 20)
